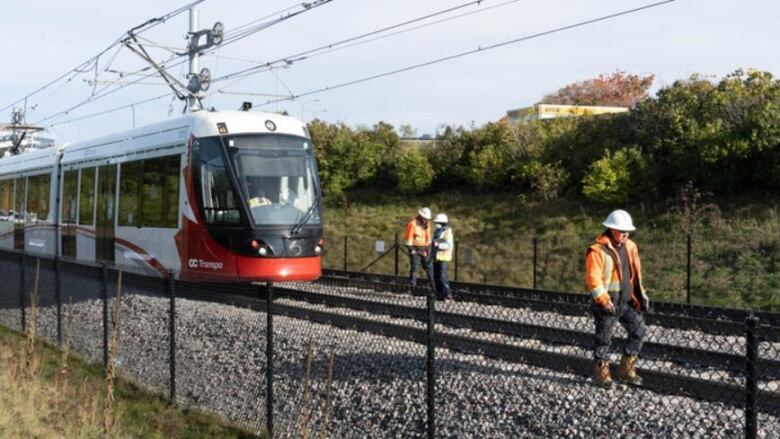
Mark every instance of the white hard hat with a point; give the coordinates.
(425, 213)
(441, 218)
(619, 220)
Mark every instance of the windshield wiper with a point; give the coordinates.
(299, 225)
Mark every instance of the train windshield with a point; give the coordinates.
(277, 175)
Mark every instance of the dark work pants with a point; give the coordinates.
(629, 318)
(440, 275)
(415, 261)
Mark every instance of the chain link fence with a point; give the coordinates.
(373, 357)
(707, 268)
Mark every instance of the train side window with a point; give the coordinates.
(20, 191)
(6, 200)
(70, 186)
(37, 198)
(152, 193)
(87, 196)
(219, 202)
(149, 192)
(160, 194)
(130, 193)
(172, 172)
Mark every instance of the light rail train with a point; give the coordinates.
(217, 196)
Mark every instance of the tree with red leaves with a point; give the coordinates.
(617, 89)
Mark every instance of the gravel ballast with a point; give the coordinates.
(378, 383)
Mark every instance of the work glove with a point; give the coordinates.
(644, 304)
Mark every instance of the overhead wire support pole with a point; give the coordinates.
(193, 101)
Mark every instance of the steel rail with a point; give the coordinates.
(712, 320)
(656, 351)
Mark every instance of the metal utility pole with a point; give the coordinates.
(198, 80)
(193, 101)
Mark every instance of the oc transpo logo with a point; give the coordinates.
(208, 265)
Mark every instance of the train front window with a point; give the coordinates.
(277, 177)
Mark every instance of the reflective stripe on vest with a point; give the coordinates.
(445, 255)
(608, 284)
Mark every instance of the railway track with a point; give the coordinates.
(492, 338)
(394, 310)
(712, 320)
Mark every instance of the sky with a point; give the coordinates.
(42, 40)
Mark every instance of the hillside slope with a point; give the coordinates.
(734, 261)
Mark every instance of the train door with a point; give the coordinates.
(20, 205)
(104, 224)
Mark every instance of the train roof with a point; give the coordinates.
(177, 131)
(35, 161)
(160, 137)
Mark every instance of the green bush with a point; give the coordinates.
(544, 179)
(609, 178)
(413, 172)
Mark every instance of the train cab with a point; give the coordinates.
(253, 209)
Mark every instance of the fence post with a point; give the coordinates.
(345, 253)
(104, 277)
(58, 298)
(751, 381)
(397, 250)
(536, 252)
(269, 358)
(22, 286)
(171, 287)
(688, 272)
(430, 370)
(456, 259)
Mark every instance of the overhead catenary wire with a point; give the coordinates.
(110, 110)
(180, 56)
(99, 96)
(302, 55)
(236, 36)
(268, 66)
(257, 20)
(87, 65)
(471, 52)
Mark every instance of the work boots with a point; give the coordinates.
(601, 374)
(627, 371)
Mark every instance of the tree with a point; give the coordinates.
(618, 89)
(413, 172)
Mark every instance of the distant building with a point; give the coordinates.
(551, 111)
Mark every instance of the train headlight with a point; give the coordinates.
(317, 249)
(262, 251)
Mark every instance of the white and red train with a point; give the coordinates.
(216, 196)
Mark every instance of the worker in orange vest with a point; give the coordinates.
(417, 238)
(613, 277)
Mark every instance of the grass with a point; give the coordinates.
(57, 401)
(735, 260)
(47, 393)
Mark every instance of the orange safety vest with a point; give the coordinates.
(603, 273)
(417, 235)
